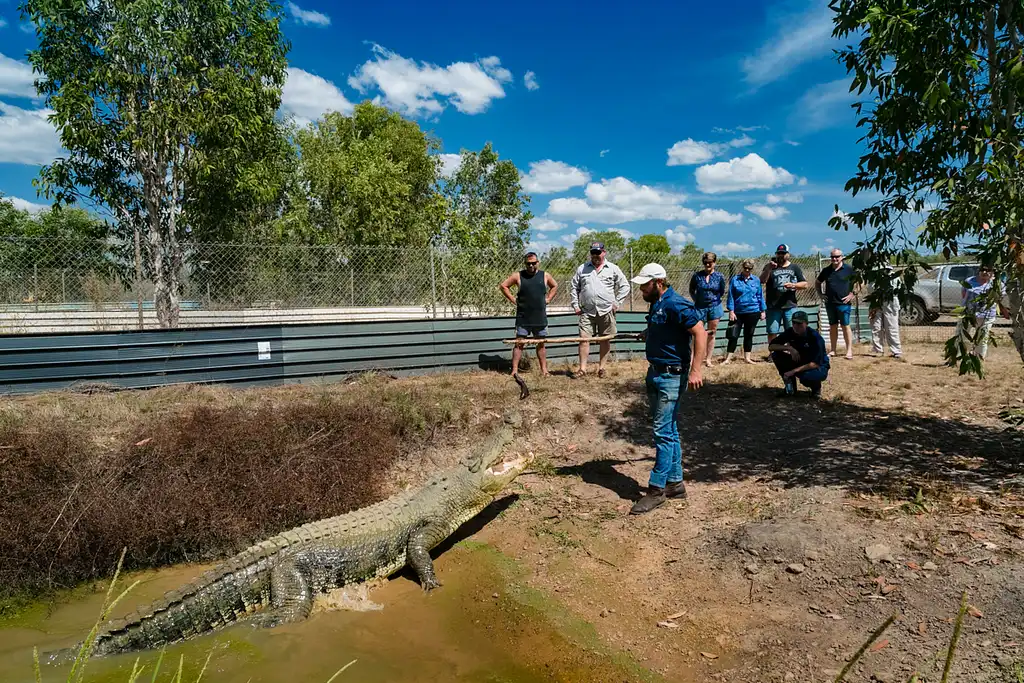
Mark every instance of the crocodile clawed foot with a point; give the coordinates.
(430, 584)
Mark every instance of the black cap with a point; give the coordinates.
(800, 315)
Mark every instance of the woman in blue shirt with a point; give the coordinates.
(746, 306)
(707, 287)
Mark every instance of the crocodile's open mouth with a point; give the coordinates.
(507, 466)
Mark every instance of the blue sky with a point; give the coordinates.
(727, 124)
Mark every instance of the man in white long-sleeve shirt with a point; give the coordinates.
(598, 288)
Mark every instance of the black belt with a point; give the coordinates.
(671, 369)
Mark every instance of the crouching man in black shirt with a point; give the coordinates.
(799, 354)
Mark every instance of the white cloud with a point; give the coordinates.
(620, 200)
(550, 176)
(16, 78)
(25, 205)
(679, 238)
(425, 89)
(802, 182)
(604, 152)
(530, 80)
(793, 143)
(626, 234)
(579, 232)
(768, 213)
(540, 223)
(815, 247)
(27, 28)
(732, 248)
(26, 136)
(826, 105)
(3, 23)
(829, 240)
(741, 173)
(689, 151)
(798, 38)
(708, 217)
(785, 198)
(449, 164)
(308, 97)
(308, 17)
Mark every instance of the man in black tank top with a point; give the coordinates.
(536, 289)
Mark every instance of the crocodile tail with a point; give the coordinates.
(217, 599)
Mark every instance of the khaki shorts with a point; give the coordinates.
(597, 325)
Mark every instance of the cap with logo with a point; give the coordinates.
(652, 271)
(597, 246)
(782, 249)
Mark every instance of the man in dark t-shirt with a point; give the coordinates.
(835, 285)
(782, 279)
(799, 354)
(536, 289)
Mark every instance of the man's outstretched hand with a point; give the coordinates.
(695, 381)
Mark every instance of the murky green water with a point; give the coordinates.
(459, 633)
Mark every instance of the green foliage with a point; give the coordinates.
(364, 180)
(614, 244)
(943, 128)
(651, 244)
(486, 224)
(151, 99)
(485, 207)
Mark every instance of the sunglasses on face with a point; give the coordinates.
(747, 268)
(835, 258)
(531, 264)
(595, 252)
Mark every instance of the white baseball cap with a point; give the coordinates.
(652, 271)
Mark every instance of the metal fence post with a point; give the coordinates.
(631, 278)
(433, 284)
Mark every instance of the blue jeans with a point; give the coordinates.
(663, 394)
(778, 320)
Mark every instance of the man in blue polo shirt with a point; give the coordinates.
(671, 323)
(799, 354)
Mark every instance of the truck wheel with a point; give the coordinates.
(914, 313)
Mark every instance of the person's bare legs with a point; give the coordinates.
(517, 353)
(746, 357)
(728, 358)
(584, 354)
(712, 329)
(848, 338)
(542, 358)
(833, 337)
(603, 348)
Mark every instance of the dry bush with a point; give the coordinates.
(196, 483)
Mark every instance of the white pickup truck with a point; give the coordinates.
(937, 291)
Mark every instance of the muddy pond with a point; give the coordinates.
(484, 625)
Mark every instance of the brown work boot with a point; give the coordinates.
(675, 489)
(655, 497)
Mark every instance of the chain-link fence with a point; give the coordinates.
(103, 285)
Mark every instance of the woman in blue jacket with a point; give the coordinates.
(707, 287)
(746, 306)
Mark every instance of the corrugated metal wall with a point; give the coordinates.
(282, 354)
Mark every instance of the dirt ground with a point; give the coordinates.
(764, 573)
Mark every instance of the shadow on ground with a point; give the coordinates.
(735, 431)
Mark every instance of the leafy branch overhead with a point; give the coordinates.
(942, 128)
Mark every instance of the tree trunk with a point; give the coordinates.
(1015, 290)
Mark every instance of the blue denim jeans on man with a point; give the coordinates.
(664, 391)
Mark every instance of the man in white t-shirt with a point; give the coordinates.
(597, 290)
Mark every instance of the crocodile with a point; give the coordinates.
(276, 581)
